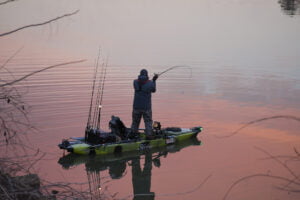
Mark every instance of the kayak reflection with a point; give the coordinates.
(116, 165)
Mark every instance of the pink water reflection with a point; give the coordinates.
(223, 160)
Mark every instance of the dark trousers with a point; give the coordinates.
(136, 119)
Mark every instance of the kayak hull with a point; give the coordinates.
(103, 162)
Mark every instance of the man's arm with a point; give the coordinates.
(154, 82)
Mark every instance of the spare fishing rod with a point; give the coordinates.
(88, 125)
(97, 104)
(101, 95)
(93, 90)
(95, 114)
(94, 117)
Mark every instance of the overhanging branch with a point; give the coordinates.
(38, 71)
(38, 24)
(5, 2)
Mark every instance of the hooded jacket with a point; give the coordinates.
(143, 87)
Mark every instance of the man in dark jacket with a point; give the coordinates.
(143, 87)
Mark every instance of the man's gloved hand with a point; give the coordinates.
(155, 77)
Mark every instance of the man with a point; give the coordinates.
(143, 87)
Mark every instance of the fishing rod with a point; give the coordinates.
(101, 95)
(173, 67)
(97, 104)
(93, 89)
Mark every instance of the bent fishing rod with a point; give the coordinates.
(173, 67)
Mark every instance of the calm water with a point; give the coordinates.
(243, 59)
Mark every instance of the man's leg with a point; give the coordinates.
(136, 119)
(147, 115)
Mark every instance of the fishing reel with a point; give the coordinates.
(156, 126)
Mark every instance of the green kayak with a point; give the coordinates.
(162, 137)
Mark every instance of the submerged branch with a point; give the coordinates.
(288, 190)
(64, 190)
(290, 184)
(260, 120)
(190, 191)
(39, 24)
(296, 151)
(255, 176)
(279, 161)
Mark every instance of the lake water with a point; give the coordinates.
(242, 84)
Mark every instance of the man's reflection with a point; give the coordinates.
(141, 178)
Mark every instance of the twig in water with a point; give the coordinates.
(190, 191)
(289, 185)
(255, 176)
(260, 120)
(278, 161)
(296, 151)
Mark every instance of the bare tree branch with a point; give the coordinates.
(5, 2)
(39, 24)
(13, 111)
(41, 70)
(13, 120)
(11, 57)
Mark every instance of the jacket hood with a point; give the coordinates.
(143, 72)
(143, 77)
